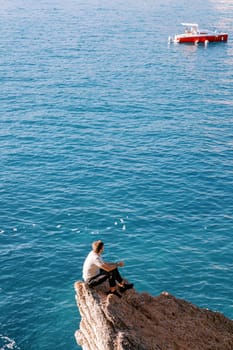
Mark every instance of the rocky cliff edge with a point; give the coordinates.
(139, 321)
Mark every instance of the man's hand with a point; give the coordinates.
(121, 263)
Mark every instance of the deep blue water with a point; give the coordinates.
(107, 132)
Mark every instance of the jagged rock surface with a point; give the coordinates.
(138, 321)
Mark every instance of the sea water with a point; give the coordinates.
(108, 132)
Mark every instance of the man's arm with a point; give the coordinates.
(111, 266)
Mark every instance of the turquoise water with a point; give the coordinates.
(107, 132)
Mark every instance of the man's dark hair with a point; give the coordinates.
(97, 246)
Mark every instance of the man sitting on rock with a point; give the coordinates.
(96, 271)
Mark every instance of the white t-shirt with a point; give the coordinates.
(91, 265)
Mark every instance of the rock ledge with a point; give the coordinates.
(138, 321)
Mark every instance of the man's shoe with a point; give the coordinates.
(125, 287)
(115, 293)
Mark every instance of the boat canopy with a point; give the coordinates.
(189, 24)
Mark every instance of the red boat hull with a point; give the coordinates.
(202, 38)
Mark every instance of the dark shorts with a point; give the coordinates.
(103, 276)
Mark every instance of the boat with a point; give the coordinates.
(192, 34)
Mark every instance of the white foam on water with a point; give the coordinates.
(7, 343)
